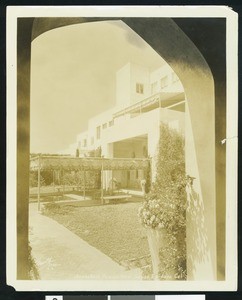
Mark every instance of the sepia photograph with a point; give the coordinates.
(122, 148)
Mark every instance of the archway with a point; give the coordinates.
(186, 60)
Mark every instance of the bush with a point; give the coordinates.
(50, 208)
(165, 205)
(91, 179)
(148, 179)
(33, 272)
(33, 179)
(47, 176)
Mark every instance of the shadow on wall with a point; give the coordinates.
(198, 254)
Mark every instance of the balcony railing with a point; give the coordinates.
(145, 103)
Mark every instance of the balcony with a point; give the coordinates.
(159, 100)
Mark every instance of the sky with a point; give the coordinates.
(73, 78)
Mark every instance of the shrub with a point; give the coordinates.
(33, 179)
(165, 205)
(33, 272)
(91, 179)
(148, 179)
(47, 176)
(50, 208)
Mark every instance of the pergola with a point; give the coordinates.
(67, 163)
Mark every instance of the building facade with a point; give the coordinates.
(131, 129)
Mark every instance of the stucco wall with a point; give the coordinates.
(166, 71)
(139, 75)
(123, 86)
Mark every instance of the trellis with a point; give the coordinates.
(67, 163)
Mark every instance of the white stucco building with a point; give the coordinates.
(131, 128)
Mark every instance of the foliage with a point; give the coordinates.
(47, 176)
(50, 208)
(95, 153)
(47, 154)
(173, 256)
(148, 179)
(33, 270)
(151, 214)
(33, 179)
(165, 205)
(78, 178)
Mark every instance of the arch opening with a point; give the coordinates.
(197, 80)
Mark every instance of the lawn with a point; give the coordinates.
(113, 229)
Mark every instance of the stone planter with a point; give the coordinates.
(158, 239)
(154, 239)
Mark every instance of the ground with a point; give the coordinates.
(113, 229)
(59, 254)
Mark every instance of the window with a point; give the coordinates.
(104, 125)
(98, 132)
(154, 89)
(164, 82)
(139, 88)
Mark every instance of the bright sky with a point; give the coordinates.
(73, 73)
